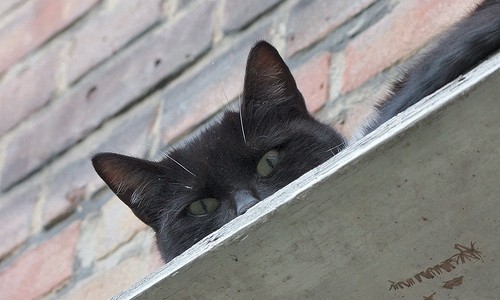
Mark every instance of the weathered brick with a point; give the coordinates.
(192, 100)
(6, 5)
(156, 261)
(103, 233)
(138, 123)
(41, 269)
(183, 3)
(238, 13)
(34, 24)
(352, 118)
(28, 90)
(108, 31)
(408, 27)
(111, 88)
(311, 21)
(108, 283)
(312, 80)
(16, 213)
(71, 183)
(66, 189)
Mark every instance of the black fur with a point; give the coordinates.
(460, 49)
(221, 162)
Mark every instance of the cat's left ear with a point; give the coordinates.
(128, 178)
(269, 85)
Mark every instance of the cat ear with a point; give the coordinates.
(269, 85)
(128, 177)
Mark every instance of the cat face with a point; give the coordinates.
(233, 164)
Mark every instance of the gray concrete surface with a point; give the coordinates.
(409, 212)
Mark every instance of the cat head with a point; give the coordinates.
(233, 164)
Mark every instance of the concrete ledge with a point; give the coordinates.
(412, 211)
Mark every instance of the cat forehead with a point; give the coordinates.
(226, 136)
(224, 142)
(233, 143)
(230, 131)
(217, 155)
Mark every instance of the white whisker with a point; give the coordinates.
(179, 164)
(164, 153)
(226, 103)
(241, 121)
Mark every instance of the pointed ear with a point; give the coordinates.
(128, 177)
(269, 84)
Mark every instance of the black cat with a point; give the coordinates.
(249, 155)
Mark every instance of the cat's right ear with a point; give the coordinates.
(128, 177)
(269, 85)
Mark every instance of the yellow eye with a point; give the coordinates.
(267, 163)
(203, 207)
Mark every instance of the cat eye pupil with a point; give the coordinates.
(268, 163)
(203, 207)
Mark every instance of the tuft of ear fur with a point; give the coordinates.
(270, 84)
(129, 177)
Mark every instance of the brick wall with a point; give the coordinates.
(82, 76)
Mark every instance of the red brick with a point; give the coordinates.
(41, 269)
(192, 100)
(16, 213)
(34, 24)
(312, 80)
(107, 91)
(310, 21)
(102, 234)
(117, 225)
(408, 27)
(138, 123)
(108, 283)
(156, 261)
(71, 183)
(109, 30)
(353, 117)
(6, 5)
(66, 189)
(239, 13)
(30, 89)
